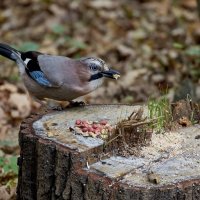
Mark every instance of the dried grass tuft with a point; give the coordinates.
(130, 134)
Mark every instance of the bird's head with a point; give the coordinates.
(98, 69)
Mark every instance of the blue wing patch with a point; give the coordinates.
(33, 68)
(40, 78)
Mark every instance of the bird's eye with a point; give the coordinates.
(94, 67)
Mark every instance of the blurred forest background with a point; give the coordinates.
(154, 44)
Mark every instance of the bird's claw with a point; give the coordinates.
(58, 108)
(76, 104)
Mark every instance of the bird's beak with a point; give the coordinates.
(111, 74)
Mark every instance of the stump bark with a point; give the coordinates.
(55, 163)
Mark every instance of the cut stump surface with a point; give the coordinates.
(55, 163)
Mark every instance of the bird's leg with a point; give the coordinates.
(56, 105)
(51, 104)
(39, 101)
(46, 104)
(76, 103)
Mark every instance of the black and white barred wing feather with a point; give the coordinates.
(28, 63)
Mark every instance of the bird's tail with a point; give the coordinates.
(9, 52)
(12, 54)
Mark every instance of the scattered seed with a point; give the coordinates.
(92, 134)
(85, 134)
(54, 124)
(84, 129)
(103, 122)
(92, 128)
(103, 131)
(104, 136)
(78, 130)
(78, 122)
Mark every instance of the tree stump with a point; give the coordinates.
(55, 163)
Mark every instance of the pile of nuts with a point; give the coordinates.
(94, 129)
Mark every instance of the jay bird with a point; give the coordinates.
(57, 77)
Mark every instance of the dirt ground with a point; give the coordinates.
(154, 45)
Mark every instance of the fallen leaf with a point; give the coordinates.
(20, 105)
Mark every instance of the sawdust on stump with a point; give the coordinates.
(136, 131)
